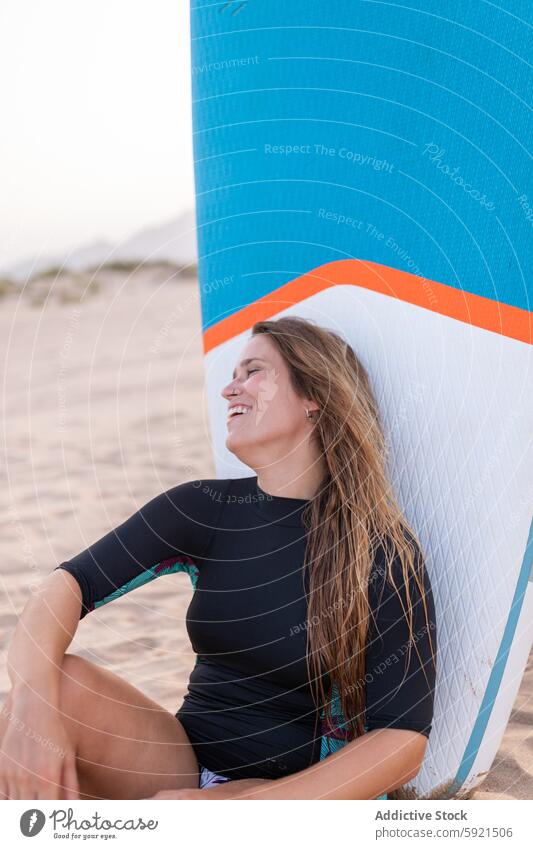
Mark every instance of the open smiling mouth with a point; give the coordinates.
(237, 412)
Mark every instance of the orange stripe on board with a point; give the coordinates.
(436, 297)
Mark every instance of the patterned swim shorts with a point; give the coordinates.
(209, 779)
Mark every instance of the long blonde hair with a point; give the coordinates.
(353, 513)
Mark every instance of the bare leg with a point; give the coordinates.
(127, 746)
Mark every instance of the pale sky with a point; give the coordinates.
(96, 121)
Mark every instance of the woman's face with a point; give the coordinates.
(275, 422)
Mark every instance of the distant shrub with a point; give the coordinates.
(118, 265)
(65, 297)
(6, 286)
(53, 271)
(129, 267)
(190, 270)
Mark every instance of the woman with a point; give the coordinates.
(312, 617)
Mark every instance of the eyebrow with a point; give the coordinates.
(245, 363)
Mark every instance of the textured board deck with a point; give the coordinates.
(366, 164)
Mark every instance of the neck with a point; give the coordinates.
(291, 480)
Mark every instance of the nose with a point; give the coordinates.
(231, 389)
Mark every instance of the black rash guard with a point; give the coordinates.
(249, 711)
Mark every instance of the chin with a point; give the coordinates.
(241, 448)
(232, 444)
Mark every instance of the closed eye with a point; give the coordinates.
(251, 370)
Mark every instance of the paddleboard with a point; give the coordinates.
(365, 164)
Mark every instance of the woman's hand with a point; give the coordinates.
(37, 759)
(186, 793)
(241, 789)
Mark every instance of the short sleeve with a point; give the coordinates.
(169, 533)
(400, 695)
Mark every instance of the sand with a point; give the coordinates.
(104, 409)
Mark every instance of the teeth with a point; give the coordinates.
(235, 410)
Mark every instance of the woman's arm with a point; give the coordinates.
(159, 538)
(174, 522)
(29, 770)
(43, 633)
(373, 764)
(400, 690)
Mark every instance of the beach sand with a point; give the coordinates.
(104, 409)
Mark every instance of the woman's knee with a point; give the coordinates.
(127, 746)
(76, 677)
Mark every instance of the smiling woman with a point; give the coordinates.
(312, 615)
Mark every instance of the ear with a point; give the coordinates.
(310, 411)
(311, 406)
